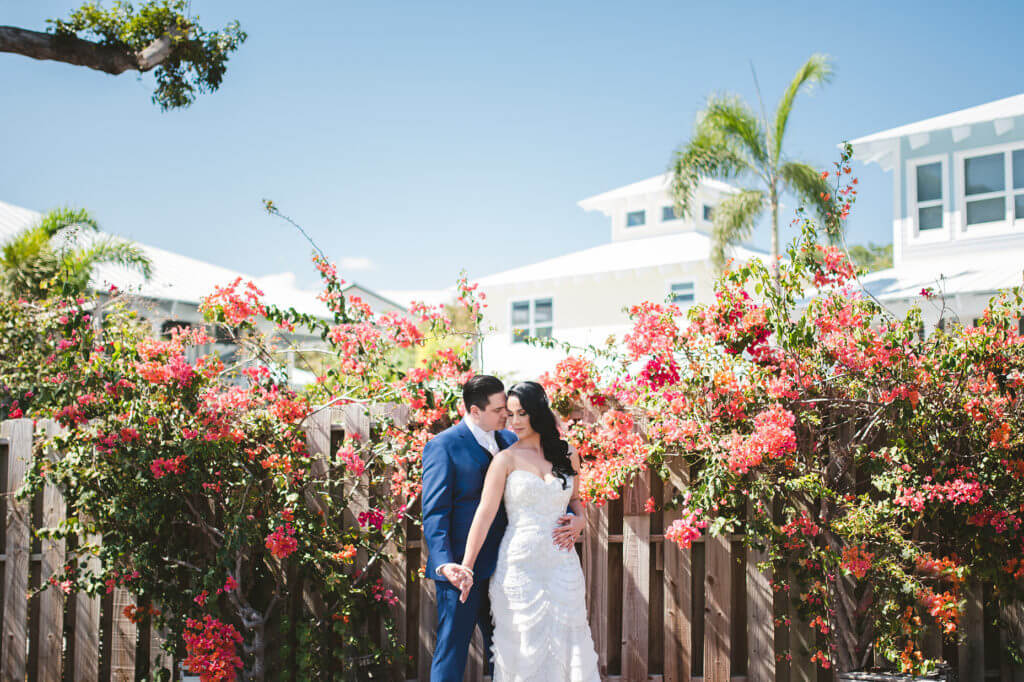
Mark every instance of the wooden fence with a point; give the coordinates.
(657, 612)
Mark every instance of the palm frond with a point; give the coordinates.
(817, 70)
(807, 183)
(731, 117)
(733, 222)
(79, 264)
(709, 154)
(59, 219)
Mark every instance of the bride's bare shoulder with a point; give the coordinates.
(504, 459)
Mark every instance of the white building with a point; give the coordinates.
(581, 297)
(958, 208)
(171, 297)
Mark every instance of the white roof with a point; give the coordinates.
(177, 277)
(657, 184)
(976, 276)
(431, 297)
(993, 111)
(649, 252)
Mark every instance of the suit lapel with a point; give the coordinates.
(502, 444)
(475, 449)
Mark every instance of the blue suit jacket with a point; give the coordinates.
(454, 467)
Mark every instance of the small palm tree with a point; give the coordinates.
(34, 265)
(731, 141)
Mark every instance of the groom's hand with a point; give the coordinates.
(569, 528)
(455, 574)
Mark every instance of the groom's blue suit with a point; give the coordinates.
(454, 467)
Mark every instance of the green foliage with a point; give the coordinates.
(730, 141)
(872, 257)
(198, 58)
(50, 258)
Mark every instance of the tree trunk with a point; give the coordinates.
(74, 50)
(775, 231)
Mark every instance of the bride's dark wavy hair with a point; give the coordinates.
(534, 401)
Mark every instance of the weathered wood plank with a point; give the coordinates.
(1012, 616)
(13, 649)
(428, 622)
(678, 603)
(718, 606)
(595, 569)
(802, 642)
(123, 638)
(972, 651)
(760, 617)
(51, 601)
(158, 658)
(636, 580)
(85, 641)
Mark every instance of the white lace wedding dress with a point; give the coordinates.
(537, 591)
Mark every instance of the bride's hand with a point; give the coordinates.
(569, 528)
(466, 585)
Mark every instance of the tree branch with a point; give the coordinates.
(74, 50)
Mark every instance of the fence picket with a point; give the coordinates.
(678, 604)
(13, 650)
(718, 606)
(595, 569)
(636, 579)
(415, 614)
(760, 618)
(50, 632)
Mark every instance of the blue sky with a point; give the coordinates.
(427, 137)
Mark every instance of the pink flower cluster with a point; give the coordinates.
(212, 651)
(161, 466)
(773, 437)
(686, 529)
(373, 518)
(282, 542)
(347, 455)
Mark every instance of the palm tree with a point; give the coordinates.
(34, 264)
(731, 141)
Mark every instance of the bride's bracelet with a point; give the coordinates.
(466, 568)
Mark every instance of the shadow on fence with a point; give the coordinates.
(657, 612)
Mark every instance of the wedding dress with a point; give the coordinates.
(537, 591)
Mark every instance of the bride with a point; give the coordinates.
(537, 592)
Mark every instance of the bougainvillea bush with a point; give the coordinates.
(212, 509)
(884, 466)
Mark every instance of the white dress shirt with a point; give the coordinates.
(486, 440)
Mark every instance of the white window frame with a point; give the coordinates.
(670, 293)
(531, 327)
(705, 206)
(1009, 222)
(941, 234)
(636, 210)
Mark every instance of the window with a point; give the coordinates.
(993, 187)
(168, 327)
(682, 292)
(532, 318)
(636, 218)
(930, 211)
(985, 189)
(708, 212)
(668, 213)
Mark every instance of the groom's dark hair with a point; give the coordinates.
(479, 389)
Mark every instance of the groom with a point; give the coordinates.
(455, 462)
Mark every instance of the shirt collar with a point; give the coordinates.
(478, 433)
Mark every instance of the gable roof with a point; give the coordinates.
(1008, 107)
(180, 278)
(648, 252)
(654, 185)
